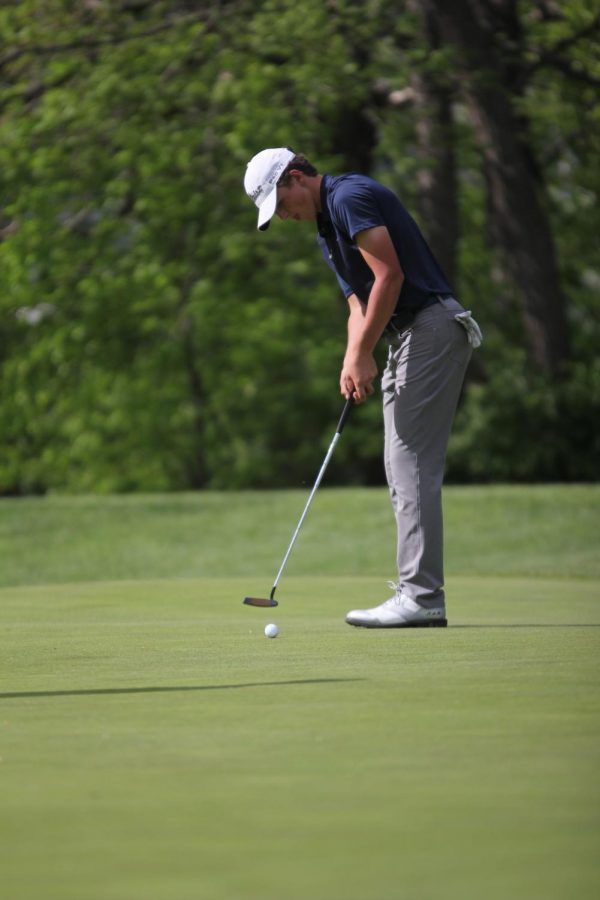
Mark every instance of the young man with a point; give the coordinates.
(395, 289)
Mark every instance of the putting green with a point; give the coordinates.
(156, 746)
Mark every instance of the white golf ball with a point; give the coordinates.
(271, 630)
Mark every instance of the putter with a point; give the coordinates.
(270, 600)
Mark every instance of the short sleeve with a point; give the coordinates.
(355, 209)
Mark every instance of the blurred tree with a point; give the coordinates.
(150, 338)
(433, 91)
(492, 65)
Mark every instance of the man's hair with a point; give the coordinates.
(299, 162)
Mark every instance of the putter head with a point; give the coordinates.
(260, 601)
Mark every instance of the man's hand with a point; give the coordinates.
(366, 322)
(358, 372)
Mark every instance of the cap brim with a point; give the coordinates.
(267, 210)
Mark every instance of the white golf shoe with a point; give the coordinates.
(399, 612)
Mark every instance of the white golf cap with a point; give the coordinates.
(262, 174)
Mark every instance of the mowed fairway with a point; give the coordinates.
(156, 746)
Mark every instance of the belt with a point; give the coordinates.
(405, 317)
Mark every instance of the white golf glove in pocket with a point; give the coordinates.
(474, 335)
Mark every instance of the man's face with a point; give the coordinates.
(295, 201)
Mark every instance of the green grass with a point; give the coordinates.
(156, 746)
(489, 531)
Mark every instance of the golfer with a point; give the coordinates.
(396, 290)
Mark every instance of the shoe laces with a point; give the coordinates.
(396, 599)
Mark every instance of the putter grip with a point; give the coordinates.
(345, 413)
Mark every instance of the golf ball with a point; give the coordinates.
(271, 630)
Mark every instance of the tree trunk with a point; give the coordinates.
(518, 219)
(196, 465)
(438, 186)
(355, 139)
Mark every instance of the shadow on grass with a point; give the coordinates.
(16, 695)
(532, 625)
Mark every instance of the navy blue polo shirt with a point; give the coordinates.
(353, 203)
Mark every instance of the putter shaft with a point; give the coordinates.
(255, 601)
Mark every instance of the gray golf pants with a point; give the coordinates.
(421, 386)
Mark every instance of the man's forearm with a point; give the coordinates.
(368, 321)
(356, 321)
(364, 333)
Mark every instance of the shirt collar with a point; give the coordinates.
(323, 218)
(324, 193)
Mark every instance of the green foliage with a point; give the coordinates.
(520, 427)
(150, 338)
